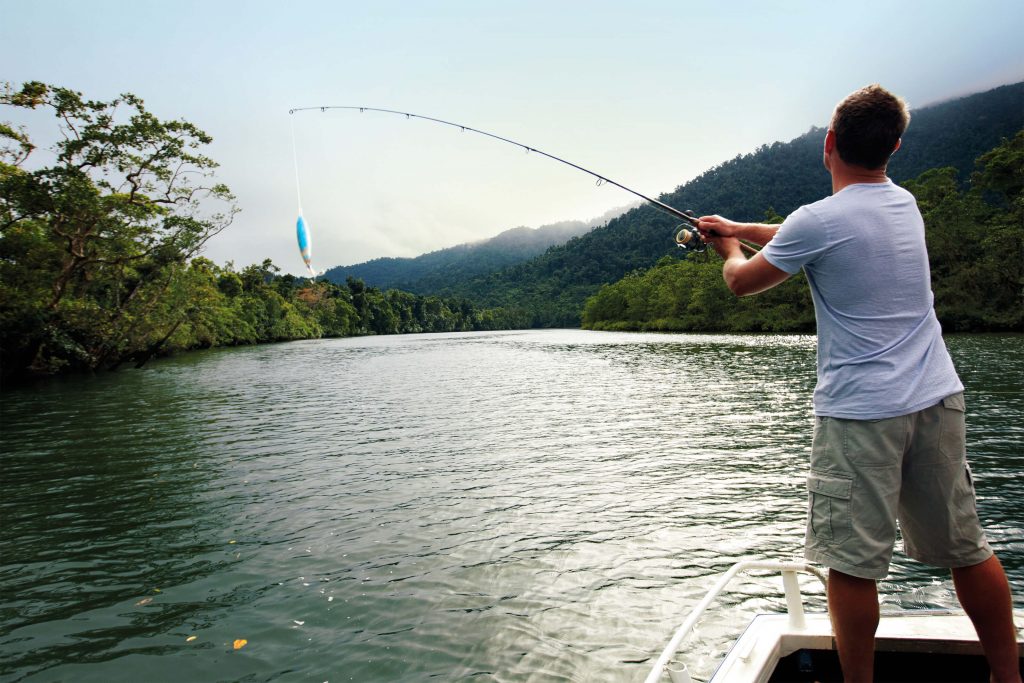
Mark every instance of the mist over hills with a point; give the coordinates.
(780, 177)
(435, 270)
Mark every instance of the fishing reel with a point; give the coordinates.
(687, 238)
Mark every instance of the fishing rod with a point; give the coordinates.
(687, 237)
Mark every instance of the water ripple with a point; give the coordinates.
(519, 506)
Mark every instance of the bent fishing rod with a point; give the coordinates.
(687, 236)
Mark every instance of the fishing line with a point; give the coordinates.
(295, 160)
(687, 237)
(301, 229)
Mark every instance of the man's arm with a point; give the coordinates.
(742, 276)
(758, 233)
(745, 276)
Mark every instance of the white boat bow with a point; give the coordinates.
(913, 645)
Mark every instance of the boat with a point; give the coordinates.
(932, 646)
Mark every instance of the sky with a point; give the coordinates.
(647, 93)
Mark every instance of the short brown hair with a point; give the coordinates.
(868, 125)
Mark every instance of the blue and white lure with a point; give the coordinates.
(301, 229)
(305, 248)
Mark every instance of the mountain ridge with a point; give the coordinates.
(423, 273)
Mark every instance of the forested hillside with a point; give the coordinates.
(435, 270)
(778, 177)
(975, 241)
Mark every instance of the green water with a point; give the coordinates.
(519, 506)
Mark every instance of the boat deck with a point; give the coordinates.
(933, 646)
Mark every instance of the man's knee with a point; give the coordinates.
(856, 582)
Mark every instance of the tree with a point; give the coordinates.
(92, 243)
(976, 240)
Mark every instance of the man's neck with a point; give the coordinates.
(844, 175)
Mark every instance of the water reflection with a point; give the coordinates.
(516, 506)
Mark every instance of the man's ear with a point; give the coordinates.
(830, 141)
(898, 141)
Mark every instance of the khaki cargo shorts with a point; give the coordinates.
(867, 474)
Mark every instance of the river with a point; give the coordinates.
(513, 506)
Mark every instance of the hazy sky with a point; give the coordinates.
(649, 94)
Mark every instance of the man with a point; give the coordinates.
(889, 413)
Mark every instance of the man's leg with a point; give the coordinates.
(853, 608)
(985, 595)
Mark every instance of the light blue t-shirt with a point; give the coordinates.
(880, 347)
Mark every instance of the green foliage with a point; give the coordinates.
(690, 295)
(976, 240)
(94, 246)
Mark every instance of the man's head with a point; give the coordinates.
(868, 125)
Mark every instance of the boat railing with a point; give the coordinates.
(794, 608)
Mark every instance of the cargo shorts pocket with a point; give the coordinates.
(829, 514)
(952, 429)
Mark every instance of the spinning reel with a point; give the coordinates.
(688, 239)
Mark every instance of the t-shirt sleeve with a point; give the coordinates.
(800, 240)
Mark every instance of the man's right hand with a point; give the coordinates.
(716, 226)
(710, 227)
